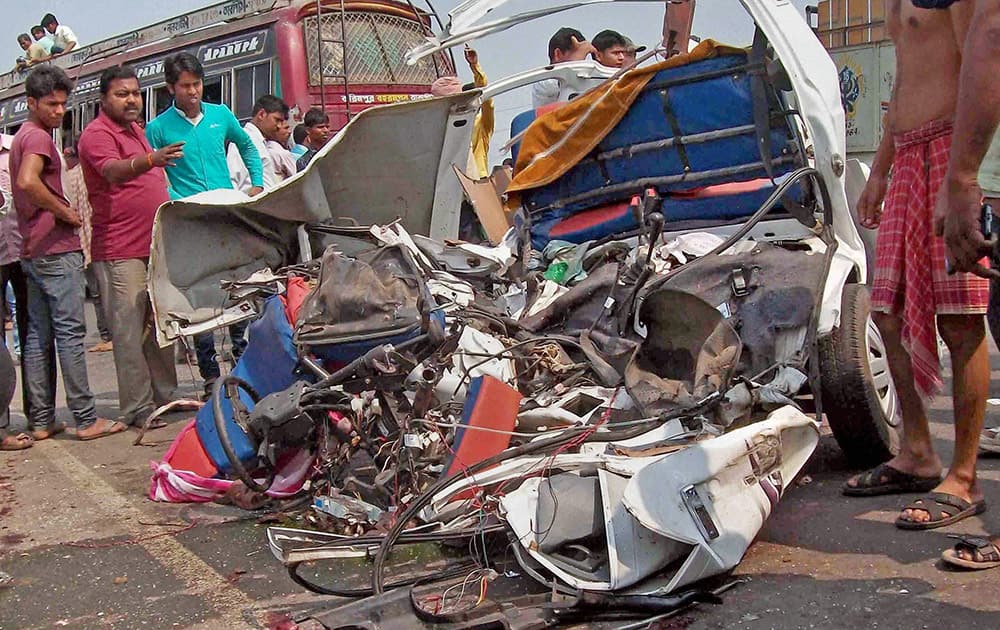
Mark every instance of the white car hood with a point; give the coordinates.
(464, 23)
(388, 162)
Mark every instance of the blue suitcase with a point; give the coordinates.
(709, 104)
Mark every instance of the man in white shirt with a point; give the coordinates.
(269, 115)
(568, 44)
(64, 39)
(284, 161)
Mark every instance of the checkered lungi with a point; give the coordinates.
(910, 276)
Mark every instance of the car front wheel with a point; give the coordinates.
(859, 398)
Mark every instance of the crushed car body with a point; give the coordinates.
(607, 402)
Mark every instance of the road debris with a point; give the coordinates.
(589, 416)
(405, 421)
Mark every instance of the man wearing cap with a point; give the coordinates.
(631, 50)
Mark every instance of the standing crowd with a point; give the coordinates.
(89, 210)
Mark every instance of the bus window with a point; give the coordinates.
(161, 101)
(214, 91)
(69, 132)
(88, 112)
(251, 83)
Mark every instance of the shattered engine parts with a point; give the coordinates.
(592, 457)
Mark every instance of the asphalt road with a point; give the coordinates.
(85, 548)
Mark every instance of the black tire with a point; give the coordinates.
(853, 405)
(218, 391)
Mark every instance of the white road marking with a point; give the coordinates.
(228, 601)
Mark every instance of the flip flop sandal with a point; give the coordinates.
(18, 442)
(989, 440)
(53, 430)
(113, 427)
(986, 553)
(884, 479)
(935, 503)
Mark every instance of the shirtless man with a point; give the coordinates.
(956, 217)
(911, 290)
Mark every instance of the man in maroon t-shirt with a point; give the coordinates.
(53, 263)
(126, 185)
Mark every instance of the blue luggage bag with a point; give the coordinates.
(268, 365)
(694, 127)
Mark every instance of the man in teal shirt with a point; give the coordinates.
(204, 129)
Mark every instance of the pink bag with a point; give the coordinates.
(170, 485)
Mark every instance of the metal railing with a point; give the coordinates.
(375, 45)
(841, 35)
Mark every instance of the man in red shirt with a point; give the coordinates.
(126, 186)
(53, 263)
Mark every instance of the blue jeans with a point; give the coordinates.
(204, 346)
(55, 318)
(13, 274)
(12, 309)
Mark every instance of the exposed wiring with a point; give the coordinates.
(456, 425)
(494, 356)
(444, 596)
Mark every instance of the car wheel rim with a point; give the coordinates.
(885, 391)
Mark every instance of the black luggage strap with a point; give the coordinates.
(758, 95)
(675, 128)
(602, 164)
(759, 84)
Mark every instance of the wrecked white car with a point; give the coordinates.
(616, 387)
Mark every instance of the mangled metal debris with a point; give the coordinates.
(421, 421)
(590, 416)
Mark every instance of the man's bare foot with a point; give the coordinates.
(951, 486)
(101, 428)
(53, 430)
(17, 442)
(908, 464)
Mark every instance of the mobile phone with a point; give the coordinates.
(987, 224)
